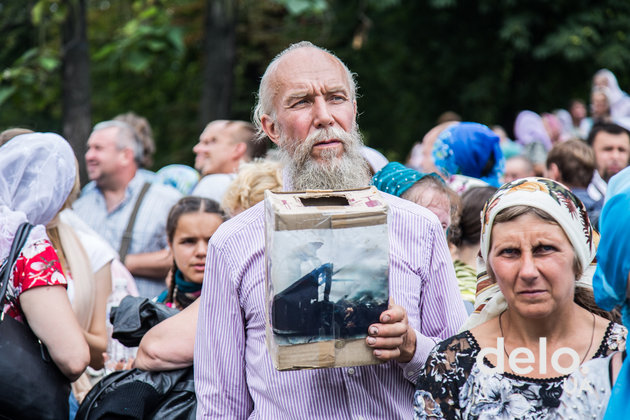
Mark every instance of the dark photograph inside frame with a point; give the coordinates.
(328, 283)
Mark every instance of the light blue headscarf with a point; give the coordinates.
(181, 177)
(610, 282)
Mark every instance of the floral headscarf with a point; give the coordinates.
(465, 149)
(557, 201)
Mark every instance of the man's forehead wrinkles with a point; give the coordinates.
(314, 88)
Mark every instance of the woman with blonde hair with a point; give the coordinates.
(248, 188)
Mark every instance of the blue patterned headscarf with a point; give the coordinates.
(465, 148)
(395, 178)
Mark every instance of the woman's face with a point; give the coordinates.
(600, 81)
(599, 103)
(439, 204)
(190, 243)
(533, 264)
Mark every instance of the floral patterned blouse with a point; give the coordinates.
(37, 265)
(452, 386)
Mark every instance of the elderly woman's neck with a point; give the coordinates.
(557, 326)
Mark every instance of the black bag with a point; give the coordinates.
(31, 385)
(138, 394)
(134, 316)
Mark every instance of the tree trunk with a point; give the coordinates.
(219, 49)
(75, 67)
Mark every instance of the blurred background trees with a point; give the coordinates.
(67, 64)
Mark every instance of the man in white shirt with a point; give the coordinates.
(222, 146)
(106, 204)
(611, 144)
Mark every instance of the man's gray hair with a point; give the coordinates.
(264, 102)
(126, 137)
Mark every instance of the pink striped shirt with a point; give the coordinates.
(234, 376)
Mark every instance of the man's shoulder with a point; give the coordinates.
(88, 189)
(245, 230)
(401, 210)
(88, 198)
(165, 191)
(213, 186)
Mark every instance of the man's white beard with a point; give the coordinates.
(348, 171)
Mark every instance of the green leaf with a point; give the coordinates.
(174, 35)
(156, 45)
(37, 12)
(148, 13)
(48, 63)
(138, 62)
(104, 51)
(302, 7)
(6, 92)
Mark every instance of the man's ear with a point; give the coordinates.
(127, 156)
(553, 172)
(270, 128)
(239, 150)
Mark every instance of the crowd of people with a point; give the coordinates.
(507, 267)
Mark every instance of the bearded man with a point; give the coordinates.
(307, 106)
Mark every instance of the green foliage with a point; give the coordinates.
(486, 59)
(300, 7)
(143, 42)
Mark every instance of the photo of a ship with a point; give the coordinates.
(298, 311)
(327, 284)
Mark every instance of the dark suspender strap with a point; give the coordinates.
(126, 238)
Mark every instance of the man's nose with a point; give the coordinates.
(322, 117)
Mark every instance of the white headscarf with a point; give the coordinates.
(557, 201)
(37, 172)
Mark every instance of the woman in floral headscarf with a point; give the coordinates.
(536, 248)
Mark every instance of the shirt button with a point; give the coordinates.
(351, 371)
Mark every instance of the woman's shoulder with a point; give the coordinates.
(453, 353)
(464, 342)
(614, 339)
(38, 265)
(587, 390)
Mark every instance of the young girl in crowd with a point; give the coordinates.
(190, 224)
(170, 344)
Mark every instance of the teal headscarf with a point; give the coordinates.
(395, 178)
